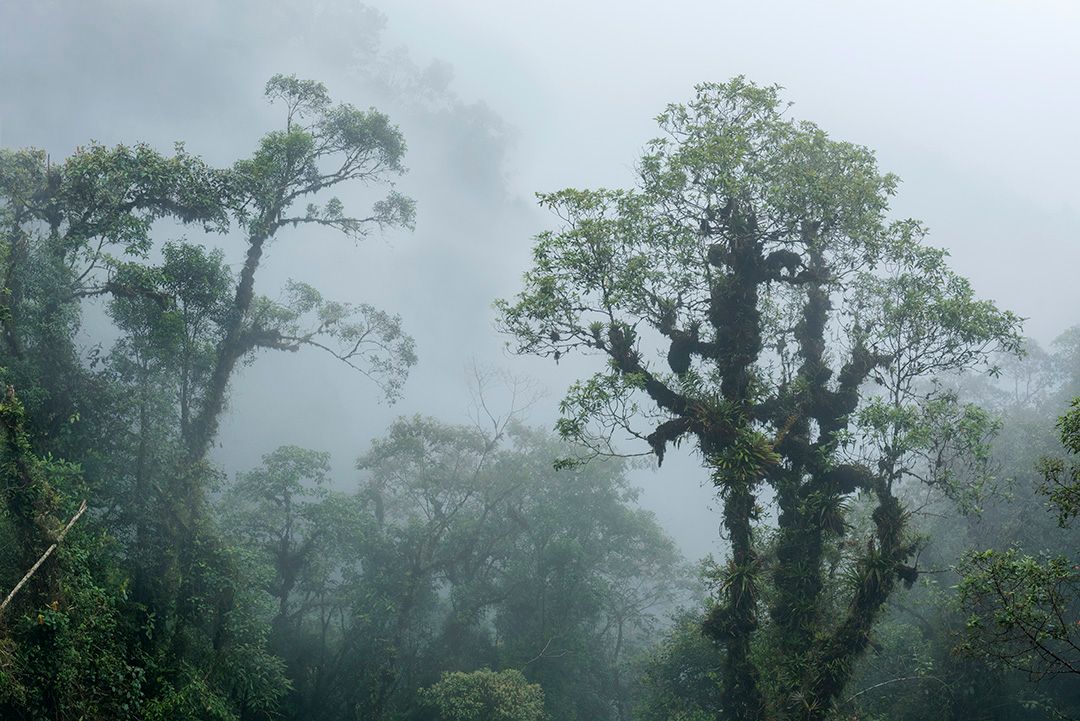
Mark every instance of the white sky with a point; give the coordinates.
(974, 104)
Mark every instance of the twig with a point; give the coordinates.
(48, 552)
(895, 680)
(542, 654)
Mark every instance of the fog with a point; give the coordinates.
(973, 104)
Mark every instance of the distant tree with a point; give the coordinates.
(558, 567)
(588, 583)
(460, 550)
(744, 295)
(277, 508)
(310, 541)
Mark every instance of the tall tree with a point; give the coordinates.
(755, 258)
(321, 146)
(142, 418)
(461, 550)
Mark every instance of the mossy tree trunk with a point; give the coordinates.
(754, 256)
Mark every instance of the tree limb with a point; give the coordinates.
(44, 556)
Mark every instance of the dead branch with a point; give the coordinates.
(44, 556)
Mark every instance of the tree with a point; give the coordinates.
(321, 146)
(63, 227)
(460, 550)
(282, 503)
(679, 679)
(744, 294)
(915, 672)
(587, 584)
(1024, 610)
(552, 573)
(140, 419)
(88, 221)
(486, 696)
(1062, 480)
(309, 540)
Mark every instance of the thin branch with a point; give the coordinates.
(894, 680)
(543, 654)
(44, 556)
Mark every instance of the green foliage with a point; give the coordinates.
(363, 337)
(754, 256)
(62, 652)
(1062, 479)
(944, 444)
(161, 614)
(914, 671)
(1024, 610)
(290, 164)
(681, 677)
(109, 197)
(923, 315)
(485, 695)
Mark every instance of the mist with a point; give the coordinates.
(971, 105)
